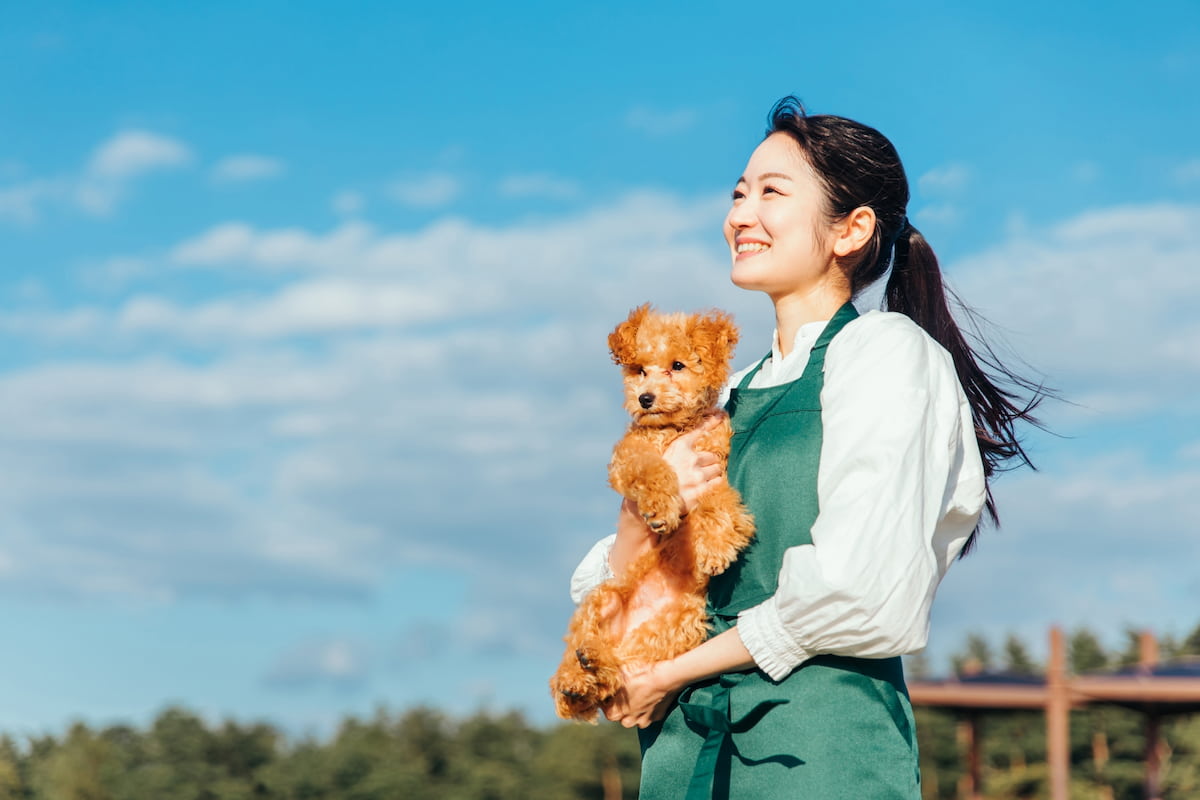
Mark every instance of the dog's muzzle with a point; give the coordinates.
(646, 400)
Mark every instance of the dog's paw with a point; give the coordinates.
(576, 692)
(588, 662)
(714, 562)
(663, 514)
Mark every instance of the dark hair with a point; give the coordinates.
(857, 166)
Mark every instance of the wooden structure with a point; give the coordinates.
(1154, 689)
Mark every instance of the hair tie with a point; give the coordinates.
(901, 229)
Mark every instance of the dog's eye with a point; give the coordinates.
(641, 371)
(677, 366)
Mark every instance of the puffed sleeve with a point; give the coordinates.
(900, 487)
(593, 570)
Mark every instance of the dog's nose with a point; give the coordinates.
(646, 400)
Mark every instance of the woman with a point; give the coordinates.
(862, 445)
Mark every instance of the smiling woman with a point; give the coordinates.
(862, 445)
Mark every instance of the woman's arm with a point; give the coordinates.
(649, 690)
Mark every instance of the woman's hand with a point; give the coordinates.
(697, 471)
(645, 698)
(650, 689)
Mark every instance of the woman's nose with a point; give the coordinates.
(740, 216)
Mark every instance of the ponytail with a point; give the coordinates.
(999, 398)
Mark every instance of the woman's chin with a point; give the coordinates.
(744, 279)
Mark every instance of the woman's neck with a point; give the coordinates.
(794, 311)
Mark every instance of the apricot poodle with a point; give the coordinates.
(675, 366)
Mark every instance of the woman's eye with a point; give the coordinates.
(677, 365)
(770, 189)
(738, 194)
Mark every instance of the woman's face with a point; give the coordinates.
(777, 230)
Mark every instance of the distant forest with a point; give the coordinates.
(423, 754)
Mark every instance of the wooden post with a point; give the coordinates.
(971, 786)
(1153, 758)
(1147, 661)
(610, 779)
(1058, 719)
(1147, 651)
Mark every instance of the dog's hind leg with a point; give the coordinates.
(589, 673)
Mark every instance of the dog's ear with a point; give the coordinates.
(715, 335)
(622, 342)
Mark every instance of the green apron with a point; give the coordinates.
(835, 727)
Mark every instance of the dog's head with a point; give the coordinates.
(675, 364)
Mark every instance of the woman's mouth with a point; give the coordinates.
(751, 248)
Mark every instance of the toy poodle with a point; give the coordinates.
(675, 366)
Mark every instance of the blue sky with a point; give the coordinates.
(304, 397)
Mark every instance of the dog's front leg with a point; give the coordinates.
(639, 472)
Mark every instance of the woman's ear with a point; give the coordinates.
(852, 232)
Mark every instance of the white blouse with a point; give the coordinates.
(900, 487)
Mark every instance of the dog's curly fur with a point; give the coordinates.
(675, 366)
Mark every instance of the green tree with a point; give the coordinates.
(12, 783)
(1017, 659)
(588, 762)
(81, 768)
(1085, 653)
(978, 656)
(1190, 646)
(1131, 653)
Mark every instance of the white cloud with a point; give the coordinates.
(427, 376)
(1086, 172)
(1188, 171)
(129, 154)
(940, 188)
(348, 203)
(660, 122)
(311, 307)
(247, 167)
(102, 183)
(22, 202)
(1106, 542)
(948, 179)
(1104, 301)
(239, 244)
(449, 270)
(116, 163)
(338, 661)
(432, 190)
(938, 214)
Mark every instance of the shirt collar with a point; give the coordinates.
(806, 337)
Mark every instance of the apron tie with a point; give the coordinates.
(707, 706)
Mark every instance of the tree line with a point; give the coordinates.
(424, 754)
